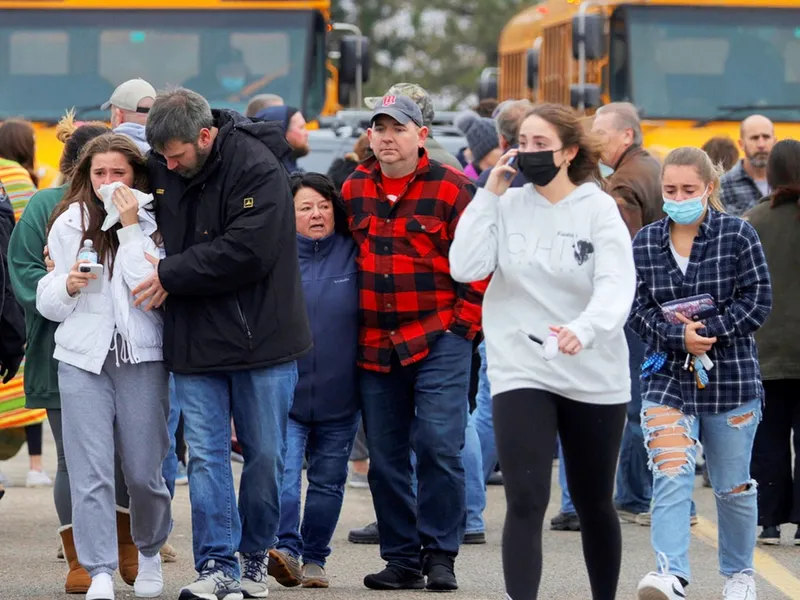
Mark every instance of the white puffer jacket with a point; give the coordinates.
(89, 321)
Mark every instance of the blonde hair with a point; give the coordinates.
(705, 167)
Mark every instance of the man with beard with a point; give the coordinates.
(234, 324)
(293, 124)
(746, 183)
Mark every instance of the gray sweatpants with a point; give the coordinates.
(124, 407)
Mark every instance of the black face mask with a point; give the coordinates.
(537, 167)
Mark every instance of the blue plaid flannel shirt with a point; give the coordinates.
(728, 263)
(738, 192)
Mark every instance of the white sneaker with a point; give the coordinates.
(102, 588)
(38, 479)
(741, 586)
(660, 586)
(149, 581)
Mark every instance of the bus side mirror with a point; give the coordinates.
(487, 84)
(532, 68)
(349, 59)
(593, 36)
(588, 97)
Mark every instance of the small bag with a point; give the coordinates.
(695, 308)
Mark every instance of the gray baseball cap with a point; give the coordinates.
(416, 92)
(401, 108)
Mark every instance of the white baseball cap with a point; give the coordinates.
(128, 95)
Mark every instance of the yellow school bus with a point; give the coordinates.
(694, 68)
(57, 54)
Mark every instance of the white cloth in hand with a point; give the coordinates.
(112, 214)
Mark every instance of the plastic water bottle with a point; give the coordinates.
(88, 252)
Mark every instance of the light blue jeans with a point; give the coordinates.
(482, 418)
(567, 507)
(728, 443)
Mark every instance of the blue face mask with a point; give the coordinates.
(685, 212)
(232, 84)
(605, 170)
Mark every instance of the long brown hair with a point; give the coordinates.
(573, 132)
(75, 137)
(80, 191)
(783, 173)
(17, 143)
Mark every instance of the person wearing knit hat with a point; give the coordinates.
(484, 144)
(293, 124)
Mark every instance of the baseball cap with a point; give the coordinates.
(401, 108)
(416, 92)
(128, 95)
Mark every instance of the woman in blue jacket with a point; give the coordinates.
(324, 417)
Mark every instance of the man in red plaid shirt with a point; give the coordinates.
(415, 346)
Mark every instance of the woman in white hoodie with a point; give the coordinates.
(113, 385)
(562, 274)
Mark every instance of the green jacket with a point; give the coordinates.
(778, 340)
(26, 267)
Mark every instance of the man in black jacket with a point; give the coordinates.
(12, 319)
(234, 323)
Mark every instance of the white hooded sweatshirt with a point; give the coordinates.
(567, 264)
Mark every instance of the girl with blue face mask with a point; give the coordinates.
(701, 379)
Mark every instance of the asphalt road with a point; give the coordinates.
(29, 568)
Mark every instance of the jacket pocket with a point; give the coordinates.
(244, 322)
(424, 237)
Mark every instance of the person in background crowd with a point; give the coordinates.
(579, 296)
(324, 416)
(483, 142)
(415, 346)
(112, 381)
(19, 180)
(635, 184)
(342, 167)
(722, 150)
(423, 100)
(701, 378)
(234, 325)
(776, 221)
(509, 116)
(293, 124)
(486, 107)
(129, 105)
(261, 102)
(27, 267)
(746, 183)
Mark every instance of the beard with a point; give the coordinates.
(300, 152)
(202, 159)
(759, 160)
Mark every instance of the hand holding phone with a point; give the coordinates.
(93, 273)
(502, 173)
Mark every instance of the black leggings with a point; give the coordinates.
(33, 435)
(525, 426)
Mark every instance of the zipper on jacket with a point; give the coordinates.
(244, 323)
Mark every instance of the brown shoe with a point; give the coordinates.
(78, 580)
(128, 553)
(285, 568)
(314, 576)
(168, 553)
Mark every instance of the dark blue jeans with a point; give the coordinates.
(421, 406)
(259, 401)
(328, 446)
(170, 467)
(634, 479)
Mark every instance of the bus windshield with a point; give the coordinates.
(54, 60)
(693, 62)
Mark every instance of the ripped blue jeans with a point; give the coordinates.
(671, 440)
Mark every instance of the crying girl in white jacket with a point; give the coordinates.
(113, 385)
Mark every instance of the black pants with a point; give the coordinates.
(525, 425)
(33, 435)
(771, 464)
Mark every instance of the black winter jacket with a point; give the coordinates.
(235, 298)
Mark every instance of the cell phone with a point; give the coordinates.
(95, 285)
(510, 163)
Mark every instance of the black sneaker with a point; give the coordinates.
(476, 537)
(365, 535)
(394, 578)
(565, 522)
(797, 536)
(496, 478)
(439, 569)
(771, 536)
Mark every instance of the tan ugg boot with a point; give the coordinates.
(78, 580)
(128, 553)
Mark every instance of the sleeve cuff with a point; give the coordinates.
(63, 294)
(130, 234)
(584, 333)
(676, 337)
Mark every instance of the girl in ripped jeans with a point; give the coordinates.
(701, 378)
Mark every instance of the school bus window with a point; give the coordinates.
(38, 53)
(126, 54)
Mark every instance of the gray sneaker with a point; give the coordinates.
(285, 568)
(314, 576)
(254, 575)
(212, 584)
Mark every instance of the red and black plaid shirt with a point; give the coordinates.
(407, 296)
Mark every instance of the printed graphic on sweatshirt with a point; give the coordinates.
(583, 251)
(562, 252)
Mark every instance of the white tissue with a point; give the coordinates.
(106, 191)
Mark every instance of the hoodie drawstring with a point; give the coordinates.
(122, 348)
